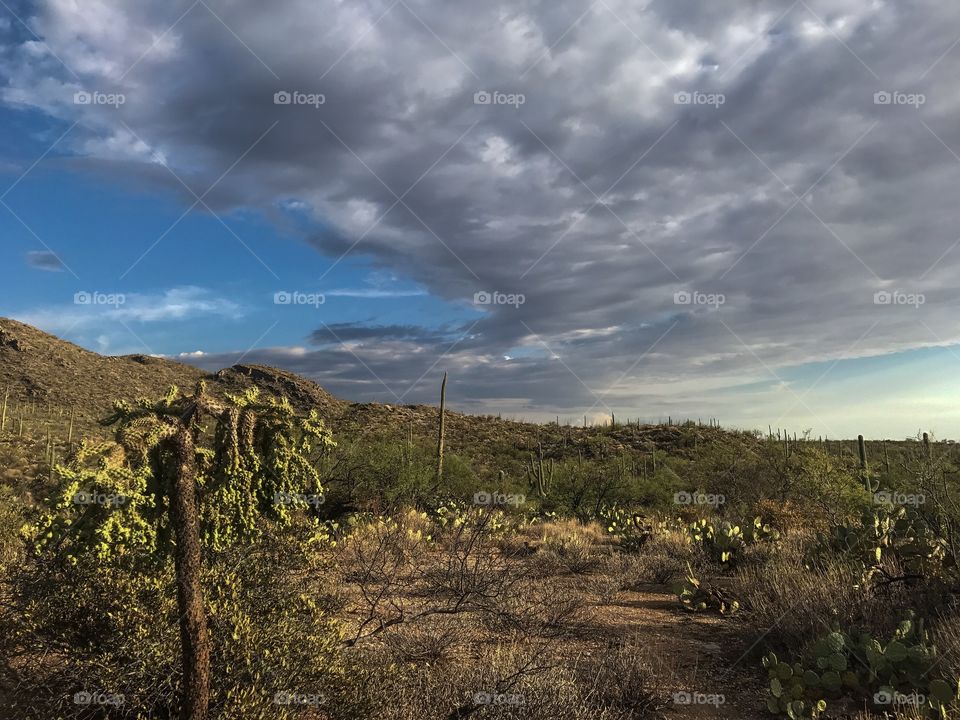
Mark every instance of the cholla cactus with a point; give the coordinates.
(168, 485)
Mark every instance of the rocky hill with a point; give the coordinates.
(47, 380)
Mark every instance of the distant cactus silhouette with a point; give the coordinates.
(442, 429)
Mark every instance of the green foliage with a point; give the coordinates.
(901, 535)
(103, 546)
(632, 530)
(11, 520)
(724, 541)
(901, 670)
(112, 623)
(260, 461)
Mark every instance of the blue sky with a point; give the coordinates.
(106, 236)
(679, 209)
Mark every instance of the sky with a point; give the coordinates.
(743, 211)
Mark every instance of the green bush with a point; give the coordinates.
(111, 622)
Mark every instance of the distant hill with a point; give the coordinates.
(40, 370)
(48, 379)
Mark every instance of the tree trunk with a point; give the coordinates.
(194, 637)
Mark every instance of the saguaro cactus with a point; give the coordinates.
(538, 473)
(862, 449)
(440, 437)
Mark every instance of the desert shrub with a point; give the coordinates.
(788, 603)
(623, 681)
(429, 642)
(11, 519)
(382, 475)
(571, 547)
(663, 560)
(793, 604)
(945, 633)
(112, 624)
(512, 680)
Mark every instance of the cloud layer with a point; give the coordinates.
(687, 194)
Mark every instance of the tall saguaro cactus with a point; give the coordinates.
(440, 434)
(538, 473)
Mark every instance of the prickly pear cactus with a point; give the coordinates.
(697, 596)
(895, 533)
(725, 541)
(902, 670)
(632, 530)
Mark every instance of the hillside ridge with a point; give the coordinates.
(38, 369)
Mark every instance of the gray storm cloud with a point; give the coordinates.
(625, 168)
